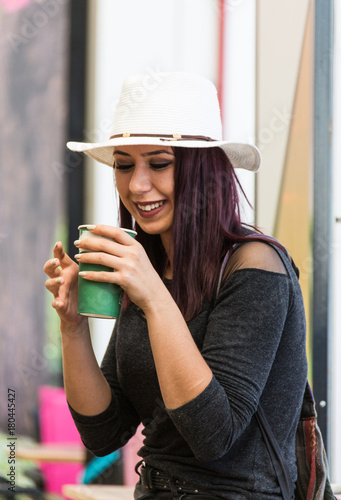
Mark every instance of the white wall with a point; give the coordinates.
(240, 84)
(336, 259)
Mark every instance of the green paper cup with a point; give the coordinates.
(97, 299)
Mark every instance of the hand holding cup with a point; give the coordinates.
(97, 299)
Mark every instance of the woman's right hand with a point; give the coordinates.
(87, 391)
(63, 284)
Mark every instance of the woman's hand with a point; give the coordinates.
(133, 270)
(63, 284)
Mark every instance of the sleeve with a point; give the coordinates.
(110, 430)
(243, 333)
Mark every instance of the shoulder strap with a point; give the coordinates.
(221, 272)
(308, 406)
(253, 237)
(278, 461)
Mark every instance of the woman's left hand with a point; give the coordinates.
(133, 270)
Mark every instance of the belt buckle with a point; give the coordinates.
(146, 476)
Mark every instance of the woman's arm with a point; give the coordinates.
(87, 391)
(241, 342)
(109, 430)
(103, 417)
(255, 346)
(182, 371)
(86, 388)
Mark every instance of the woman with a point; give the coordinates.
(188, 360)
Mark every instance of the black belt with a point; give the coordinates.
(155, 479)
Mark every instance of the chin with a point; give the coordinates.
(153, 228)
(150, 230)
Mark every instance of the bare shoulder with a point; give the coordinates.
(255, 255)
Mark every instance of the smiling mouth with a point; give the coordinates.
(151, 206)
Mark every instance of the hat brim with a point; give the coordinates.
(245, 156)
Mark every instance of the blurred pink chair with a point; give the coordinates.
(130, 457)
(57, 426)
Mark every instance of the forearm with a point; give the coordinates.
(87, 390)
(182, 371)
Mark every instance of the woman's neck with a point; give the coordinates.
(165, 238)
(169, 272)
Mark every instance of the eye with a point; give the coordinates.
(159, 166)
(122, 166)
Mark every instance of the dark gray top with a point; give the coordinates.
(253, 339)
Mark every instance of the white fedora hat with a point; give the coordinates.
(174, 109)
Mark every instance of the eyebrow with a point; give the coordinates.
(151, 153)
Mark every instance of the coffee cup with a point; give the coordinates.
(98, 299)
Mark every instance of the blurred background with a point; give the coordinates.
(277, 67)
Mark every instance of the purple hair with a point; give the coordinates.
(206, 224)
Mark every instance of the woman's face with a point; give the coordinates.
(145, 183)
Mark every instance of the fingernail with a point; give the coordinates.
(77, 243)
(56, 244)
(53, 262)
(59, 281)
(91, 227)
(78, 256)
(82, 273)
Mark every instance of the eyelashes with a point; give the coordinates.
(117, 166)
(153, 166)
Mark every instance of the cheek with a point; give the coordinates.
(171, 190)
(168, 185)
(122, 184)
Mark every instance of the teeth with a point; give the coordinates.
(148, 208)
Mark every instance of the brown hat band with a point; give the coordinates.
(168, 137)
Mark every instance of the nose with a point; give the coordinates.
(140, 180)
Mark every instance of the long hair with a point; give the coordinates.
(206, 224)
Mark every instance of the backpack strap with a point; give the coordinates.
(308, 406)
(277, 458)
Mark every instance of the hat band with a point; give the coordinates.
(167, 137)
